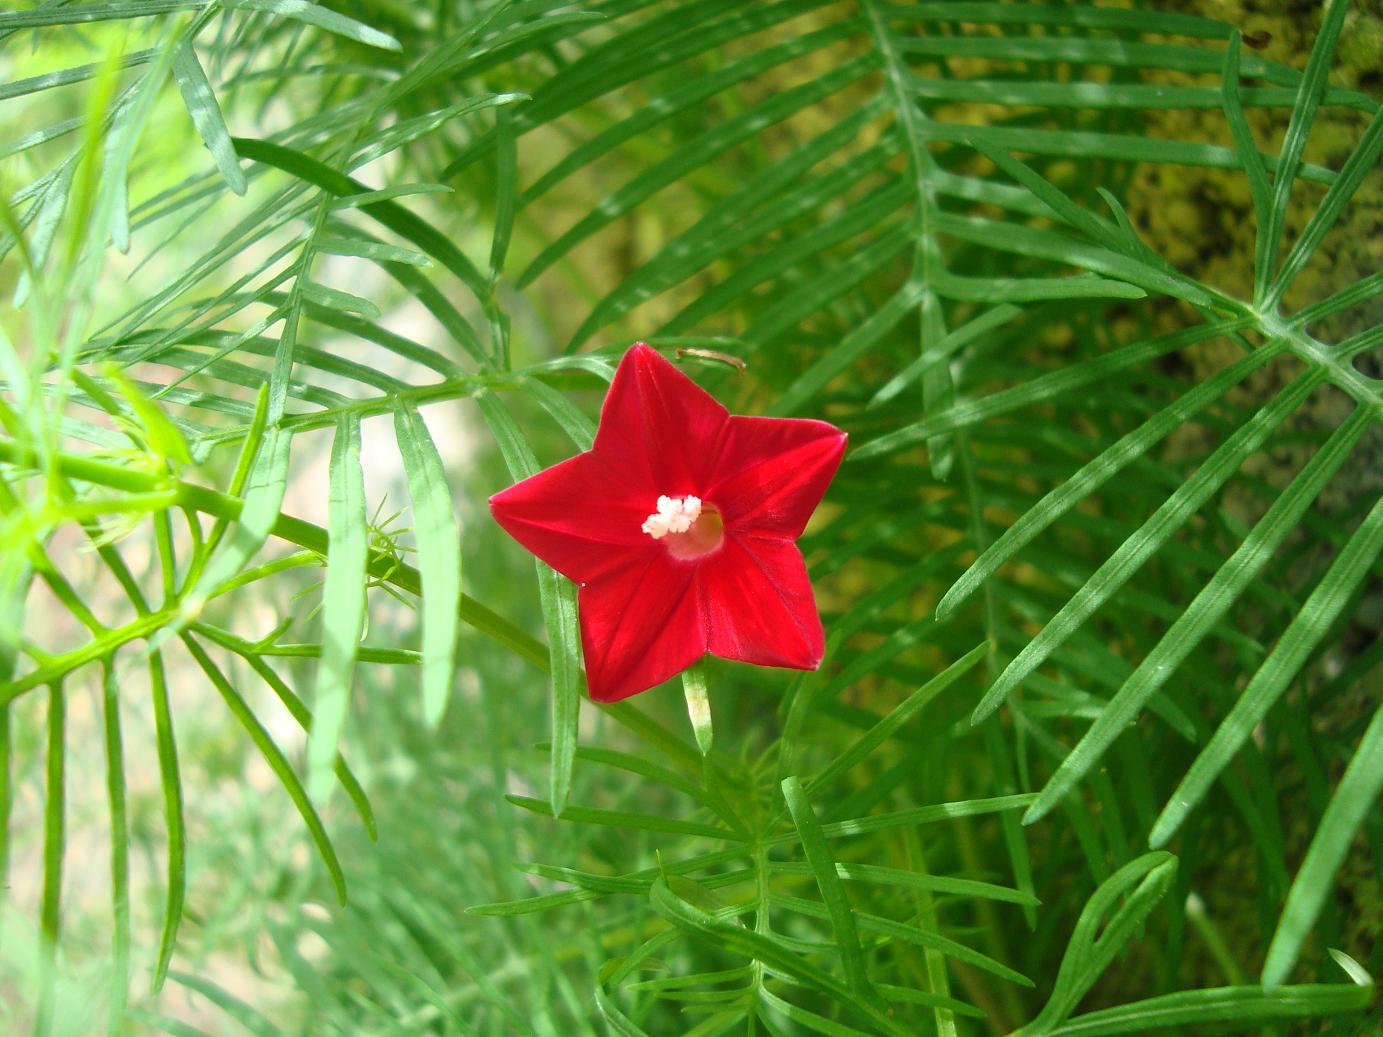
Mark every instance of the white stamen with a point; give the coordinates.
(674, 515)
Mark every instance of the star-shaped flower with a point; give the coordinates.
(678, 525)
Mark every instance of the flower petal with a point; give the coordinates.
(772, 473)
(578, 516)
(659, 427)
(757, 604)
(640, 625)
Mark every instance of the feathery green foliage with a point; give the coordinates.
(1145, 488)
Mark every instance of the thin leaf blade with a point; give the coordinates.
(439, 553)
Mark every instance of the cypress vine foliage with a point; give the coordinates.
(289, 289)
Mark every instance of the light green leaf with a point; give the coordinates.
(912, 934)
(1217, 596)
(1145, 881)
(367, 249)
(1096, 473)
(1044, 244)
(935, 352)
(896, 718)
(343, 605)
(322, 17)
(54, 830)
(335, 299)
(171, 780)
(924, 815)
(626, 819)
(206, 115)
(683, 96)
(1043, 387)
(254, 657)
(1243, 135)
(1309, 93)
(823, 866)
(698, 704)
(573, 421)
(1115, 571)
(904, 879)
(429, 239)
(506, 188)
(765, 204)
(651, 44)
(696, 153)
(163, 436)
(807, 1020)
(254, 1021)
(385, 194)
(64, 14)
(277, 762)
(267, 480)
(557, 596)
(439, 557)
(1236, 1006)
(1121, 147)
(851, 348)
(1362, 160)
(768, 949)
(1356, 795)
(796, 252)
(1134, 20)
(119, 839)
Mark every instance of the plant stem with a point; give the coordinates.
(286, 527)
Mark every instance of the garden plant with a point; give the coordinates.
(650, 517)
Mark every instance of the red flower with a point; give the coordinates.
(679, 525)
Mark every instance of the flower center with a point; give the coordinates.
(689, 526)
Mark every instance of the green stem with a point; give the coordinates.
(761, 919)
(937, 979)
(59, 666)
(54, 840)
(294, 530)
(996, 747)
(434, 392)
(6, 799)
(1209, 932)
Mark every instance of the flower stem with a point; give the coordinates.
(698, 704)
